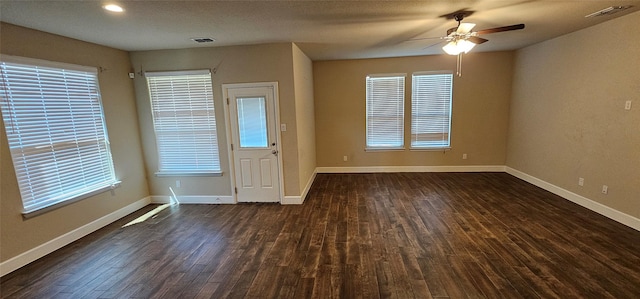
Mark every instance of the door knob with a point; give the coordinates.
(275, 152)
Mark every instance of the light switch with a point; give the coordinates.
(283, 127)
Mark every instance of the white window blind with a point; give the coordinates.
(252, 122)
(56, 132)
(184, 122)
(431, 110)
(385, 111)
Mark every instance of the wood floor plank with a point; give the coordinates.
(378, 235)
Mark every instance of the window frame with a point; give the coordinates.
(399, 93)
(168, 154)
(62, 88)
(445, 112)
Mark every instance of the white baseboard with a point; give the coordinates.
(592, 205)
(33, 254)
(291, 200)
(298, 200)
(370, 169)
(194, 199)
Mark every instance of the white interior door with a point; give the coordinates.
(254, 143)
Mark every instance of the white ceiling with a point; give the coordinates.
(322, 29)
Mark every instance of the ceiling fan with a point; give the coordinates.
(461, 39)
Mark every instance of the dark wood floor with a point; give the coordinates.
(404, 235)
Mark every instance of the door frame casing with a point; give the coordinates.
(227, 116)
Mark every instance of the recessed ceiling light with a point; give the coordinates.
(113, 7)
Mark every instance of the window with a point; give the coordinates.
(184, 122)
(385, 111)
(431, 110)
(252, 122)
(56, 132)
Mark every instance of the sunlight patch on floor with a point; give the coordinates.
(148, 215)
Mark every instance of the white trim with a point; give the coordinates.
(230, 154)
(48, 63)
(442, 72)
(592, 205)
(430, 149)
(298, 200)
(33, 254)
(194, 199)
(303, 196)
(384, 149)
(177, 73)
(387, 75)
(292, 200)
(370, 169)
(188, 174)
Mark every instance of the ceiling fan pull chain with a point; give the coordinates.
(459, 65)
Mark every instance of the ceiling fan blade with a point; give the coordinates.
(432, 45)
(501, 29)
(465, 28)
(424, 38)
(477, 40)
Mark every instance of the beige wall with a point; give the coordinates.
(18, 235)
(479, 113)
(568, 118)
(305, 119)
(237, 64)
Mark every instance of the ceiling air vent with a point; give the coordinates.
(608, 11)
(202, 40)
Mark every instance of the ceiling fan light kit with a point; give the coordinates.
(458, 46)
(461, 39)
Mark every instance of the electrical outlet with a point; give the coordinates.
(345, 158)
(580, 181)
(627, 105)
(464, 156)
(178, 183)
(605, 189)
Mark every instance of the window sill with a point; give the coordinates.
(382, 149)
(182, 174)
(45, 209)
(430, 149)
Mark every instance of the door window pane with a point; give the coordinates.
(252, 122)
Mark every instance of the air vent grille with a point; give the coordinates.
(202, 40)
